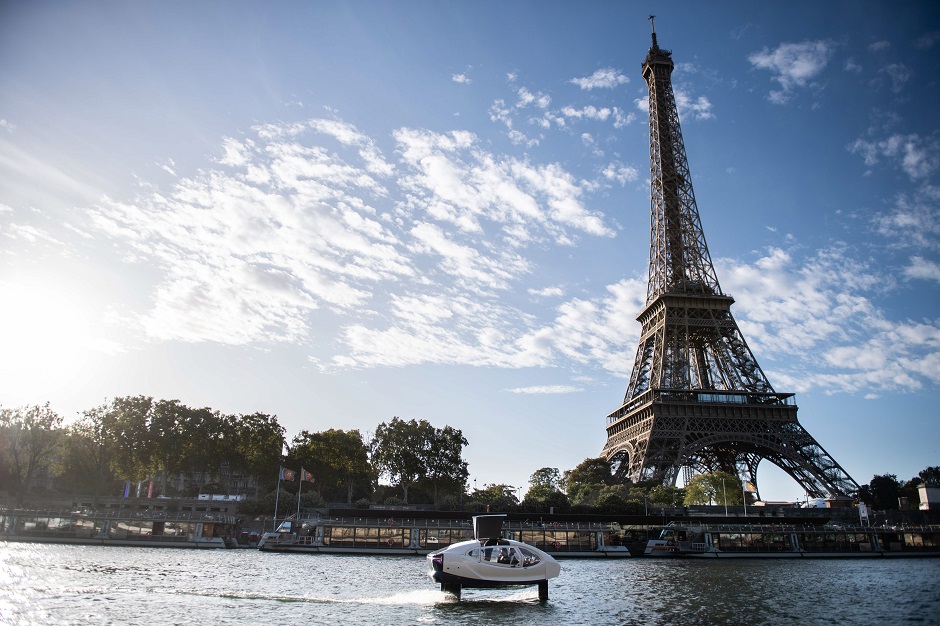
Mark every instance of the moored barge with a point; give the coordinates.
(414, 533)
(768, 541)
(182, 529)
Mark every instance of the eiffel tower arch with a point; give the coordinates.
(697, 400)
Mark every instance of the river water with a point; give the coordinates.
(49, 584)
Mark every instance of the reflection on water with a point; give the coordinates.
(45, 584)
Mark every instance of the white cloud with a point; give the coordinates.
(167, 166)
(917, 156)
(463, 185)
(621, 173)
(526, 97)
(589, 112)
(793, 65)
(605, 78)
(461, 79)
(547, 292)
(879, 46)
(926, 42)
(7, 125)
(546, 389)
(245, 257)
(913, 222)
(689, 107)
(284, 227)
(595, 332)
(924, 269)
(898, 74)
(795, 313)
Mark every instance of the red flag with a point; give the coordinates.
(287, 474)
(305, 475)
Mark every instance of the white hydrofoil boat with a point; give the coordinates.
(489, 561)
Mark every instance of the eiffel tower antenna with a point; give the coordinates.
(697, 400)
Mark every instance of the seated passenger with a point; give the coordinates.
(503, 557)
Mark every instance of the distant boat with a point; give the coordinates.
(159, 529)
(398, 533)
(765, 541)
(489, 561)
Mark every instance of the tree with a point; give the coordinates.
(666, 495)
(446, 468)
(338, 459)
(591, 471)
(545, 491)
(717, 487)
(88, 453)
(882, 492)
(930, 475)
(499, 497)
(257, 444)
(546, 477)
(127, 425)
(414, 451)
(397, 451)
(33, 435)
(584, 483)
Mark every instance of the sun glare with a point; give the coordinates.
(46, 340)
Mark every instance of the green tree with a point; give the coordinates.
(584, 483)
(499, 497)
(666, 495)
(547, 476)
(413, 452)
(127, 425)
(930, 475)
(88, 454)
(33, 436)
(397, 451)
(257, 445)
(591, 471)
(446, 469)
(338, 459)
(882, 492)
(545, 491)
(169, 441)
(717, 487)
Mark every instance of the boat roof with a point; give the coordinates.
(488, 528)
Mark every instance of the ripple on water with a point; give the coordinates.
(44, 584)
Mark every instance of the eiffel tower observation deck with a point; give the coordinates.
(697, 400)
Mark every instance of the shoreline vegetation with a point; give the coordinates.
(137, 446)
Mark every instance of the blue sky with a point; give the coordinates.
(341, 212)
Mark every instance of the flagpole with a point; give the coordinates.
(277, 494)
(725, 492)
(299, 489)
(744, 499)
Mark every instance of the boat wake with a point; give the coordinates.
(417, 597)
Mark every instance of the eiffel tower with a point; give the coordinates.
(697, 400)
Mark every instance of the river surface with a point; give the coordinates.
(49, 584)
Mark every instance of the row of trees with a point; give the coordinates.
(138, 438)
(885, 491)
(132, 439)
(591, 487)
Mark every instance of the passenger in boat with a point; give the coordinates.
(506, 558)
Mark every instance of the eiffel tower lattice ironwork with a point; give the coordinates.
(697, 399)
